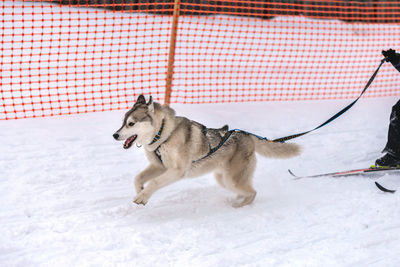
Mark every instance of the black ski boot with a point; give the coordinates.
(388, 161)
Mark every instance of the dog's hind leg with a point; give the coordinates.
(245, 200)
(146, 175)
(238, 178)
(246, 195)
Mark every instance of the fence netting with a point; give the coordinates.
(77, 56)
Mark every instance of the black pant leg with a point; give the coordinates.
(393, 142)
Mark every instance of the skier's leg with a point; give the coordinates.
(392, 148)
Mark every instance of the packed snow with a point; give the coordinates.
(66, 190)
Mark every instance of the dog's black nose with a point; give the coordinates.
(116, 136)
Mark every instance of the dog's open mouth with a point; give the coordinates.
(128, 142)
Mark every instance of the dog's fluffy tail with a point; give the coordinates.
(271, 149)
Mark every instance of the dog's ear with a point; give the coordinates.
(140, 100)
(150, 104)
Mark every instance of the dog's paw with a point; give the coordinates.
(141, 198)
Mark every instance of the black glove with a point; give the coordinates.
(392, 57)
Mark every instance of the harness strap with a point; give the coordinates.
(258, 136)
(221, 143)
(158, 154)
(204, 130)
(225, 138)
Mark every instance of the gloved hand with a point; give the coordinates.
(392, 57)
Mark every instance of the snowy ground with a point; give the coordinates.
(66, 189)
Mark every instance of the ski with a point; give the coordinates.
(366, 171)
(384, 189)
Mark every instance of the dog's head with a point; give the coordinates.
(137, 125)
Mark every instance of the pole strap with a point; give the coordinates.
(286, 138)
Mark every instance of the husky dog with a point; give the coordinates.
(177, 147)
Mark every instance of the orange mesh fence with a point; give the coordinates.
(76, 56)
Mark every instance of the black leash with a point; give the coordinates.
(283, 139)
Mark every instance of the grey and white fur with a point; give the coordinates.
(177, 147)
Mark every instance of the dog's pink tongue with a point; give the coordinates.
(129, 141)
(126, 144)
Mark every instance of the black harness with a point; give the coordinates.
(204, 131)
(158, 154)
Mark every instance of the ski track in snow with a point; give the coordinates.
(67, 190)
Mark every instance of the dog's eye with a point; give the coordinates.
(131, 124)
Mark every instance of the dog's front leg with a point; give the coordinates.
(167, 178)
(146, 175)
